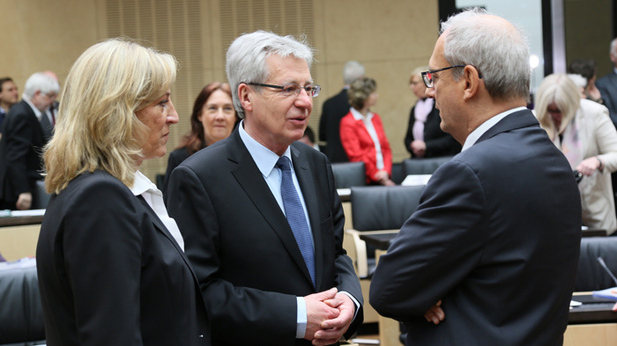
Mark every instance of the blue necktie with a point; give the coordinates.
(295, 215)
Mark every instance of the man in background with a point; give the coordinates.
(333, 110)
(260, 216)
(8, 97)
(22, 142)
(608, 85)
(494, 243)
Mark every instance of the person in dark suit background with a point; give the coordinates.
(272, 272)
(22, 141)
(425, 138)
(333, 110)
(493, 246)
(8, 97)
(608, 86)
(213, 118)
(110, 262)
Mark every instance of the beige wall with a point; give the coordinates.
(389, 37)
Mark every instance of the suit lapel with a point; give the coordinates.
(259, 193)
(307, 185)
(158, 224)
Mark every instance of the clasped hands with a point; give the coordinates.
(329, 314)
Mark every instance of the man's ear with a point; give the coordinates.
(245, 96)
(471, 75)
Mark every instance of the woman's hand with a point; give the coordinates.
(418, 148)
(589, 165)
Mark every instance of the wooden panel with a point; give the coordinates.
(18, 241)
(602, 334)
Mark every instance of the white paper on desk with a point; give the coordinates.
(342, 192)
(609, 293)
(32, 212)
(416, 179)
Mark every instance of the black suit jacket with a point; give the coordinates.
(110, 273)
(496, 237)
(176, 157)
(242, 248)
(334, 109)
(438, 143)
(20, 149)
(608, 88)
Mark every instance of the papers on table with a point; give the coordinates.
(609, 293)
(416, 179)
(32, 212)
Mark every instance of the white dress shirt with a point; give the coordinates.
(154, 197)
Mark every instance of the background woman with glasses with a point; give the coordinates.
(213, 119)
(424, 137)
(583, 131)
(363, 136)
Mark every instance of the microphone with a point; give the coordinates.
(601, 261)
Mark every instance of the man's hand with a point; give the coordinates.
(318, 311)
(435, 314)
(333, 329)
(24, 201)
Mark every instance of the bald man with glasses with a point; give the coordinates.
(493, 246)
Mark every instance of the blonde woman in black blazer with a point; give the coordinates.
(110, 262)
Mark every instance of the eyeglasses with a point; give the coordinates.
(292, 89)
(427, 76)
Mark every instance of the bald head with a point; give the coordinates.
(494, 46)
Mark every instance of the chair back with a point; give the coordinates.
(590, 275)
(423, 166)
(348, 174)
(383, 207)
(21, 314)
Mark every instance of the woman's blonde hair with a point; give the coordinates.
(560, 89)
(97, 127)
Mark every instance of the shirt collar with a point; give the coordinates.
(358, 116)
(142, 185)
(485, 126)
(264, 158)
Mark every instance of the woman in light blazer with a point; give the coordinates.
(583, 130)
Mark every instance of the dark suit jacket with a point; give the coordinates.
(496, 237)
(111, 274)
(176, 157)
(242, 248)
(334, 109)
(438, 143)
(20, 149)
(608, 88)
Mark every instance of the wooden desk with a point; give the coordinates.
(20, 220)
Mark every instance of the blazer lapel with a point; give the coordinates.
(307, 185)
(158, 224)
(250, 179)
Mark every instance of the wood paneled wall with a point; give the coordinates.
(389, 37)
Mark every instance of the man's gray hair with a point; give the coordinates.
(352, 71)
(498, 52)
(40, 81)
(613, 48)
(247, 54)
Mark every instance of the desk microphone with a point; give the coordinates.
(601, 261)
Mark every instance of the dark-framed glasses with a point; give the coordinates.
(427, 76)
(292, 89)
